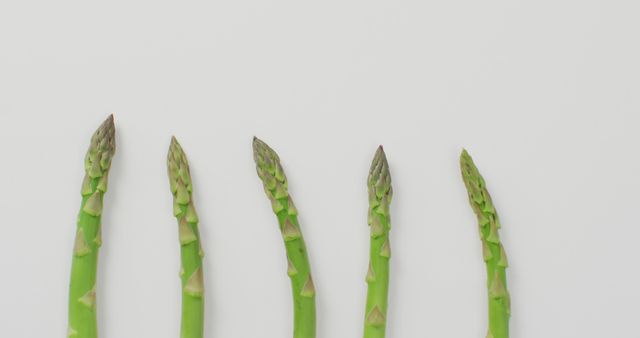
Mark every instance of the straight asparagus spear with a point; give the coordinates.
(493, 251)
(84, 266)
(275, 186)
(380, 194)
(192, 325)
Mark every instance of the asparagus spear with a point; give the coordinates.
(380, 194)
(190, 247)
(82, 287)
(275, 186)
(493, 251)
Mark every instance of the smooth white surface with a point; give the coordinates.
(544, 94)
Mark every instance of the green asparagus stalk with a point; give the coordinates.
(191, 253)
(380, 194)
(84, 266)
(275, 186)
(493, 251)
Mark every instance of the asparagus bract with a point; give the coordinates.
(275, 186)
(380, 194)
(82, 286)
(192, 325)
(492, 250)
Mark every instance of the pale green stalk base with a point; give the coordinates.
(84, 266)
(493, 251)
(380, 194)
(192, 325)
(275, 186)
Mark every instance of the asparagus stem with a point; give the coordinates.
(82, 286)
(380, 194)
(493, 251)
(191, 253)
(275, 186)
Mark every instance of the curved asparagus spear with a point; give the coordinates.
(493, 251)
(191, 253)
(380, 193)
(275, 186)
(82, 287)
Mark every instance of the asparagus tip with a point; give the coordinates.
(257, 143)
(379, 164)
(379, 179)
(466, 163)
(101, 149)
(464, 153)
(107, 127)
(176, 158)
(262, 152)
(174, 147)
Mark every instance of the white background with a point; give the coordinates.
(544, 95)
